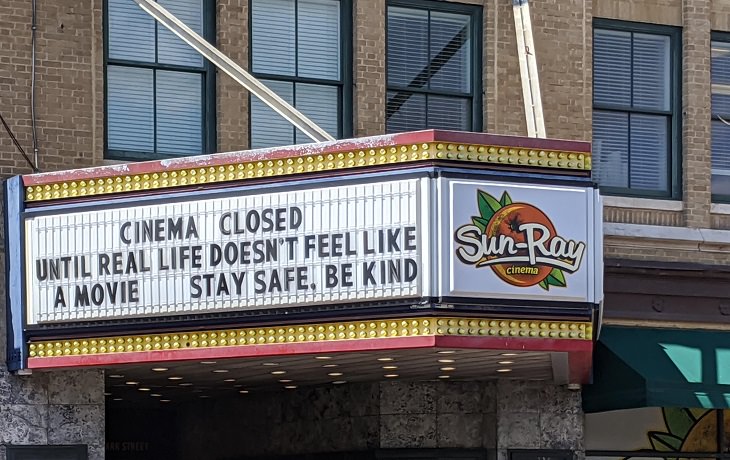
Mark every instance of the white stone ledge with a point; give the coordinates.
(643, 203)
(720, 208)
(657, 236)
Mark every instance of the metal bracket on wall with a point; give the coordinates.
(235, 71)
(528, 69)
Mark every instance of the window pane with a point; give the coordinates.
(450, 52)
(721, 63)
(179, 113)
(273, 37)
(131, 32)
(408, 111)
(612, 67)
(721, 101)
(318, 26)
(170, 48)
(319, 103)
(721, 79)
(651, 71)
(649, 152)
(130, 111)
(449, 113)
(720, 158)
(407, 53)
(611, 148)
(268, 128)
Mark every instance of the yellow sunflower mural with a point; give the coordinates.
(689, 430)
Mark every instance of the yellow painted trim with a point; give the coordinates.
(239, 171)
(307, 333)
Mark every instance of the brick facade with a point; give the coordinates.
(44, 409)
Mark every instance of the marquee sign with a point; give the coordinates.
(518, 241)
(362, 242)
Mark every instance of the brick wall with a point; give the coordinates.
(696, 112)
(369, 71)
(69, 83)
(232, 100)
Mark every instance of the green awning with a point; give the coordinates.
(641, 367)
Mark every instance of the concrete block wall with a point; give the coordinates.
(58, 408)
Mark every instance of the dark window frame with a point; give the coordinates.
(477, 91)
(344, 84)
(15, 452)
(208, 97)
(432, 453)
(537, 454)
(725, 38)
(674, 169)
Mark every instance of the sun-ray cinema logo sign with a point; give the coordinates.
(518, 242)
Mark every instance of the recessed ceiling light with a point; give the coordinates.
(243, 392)
(155, 395)
(270, 364)
(390, 367)
(286, 381)
(290, 387)
(505, 362)
(445, 361)
(229, 380)
(118, 399)
(174, 378)
(444, 376)
(132, 383)
(107, 394)
(159, 369)
(164, 400)
(220, 371)
(278, 372)
(323, 357)
(339, 382)
(335, 374)
(143, 389)
(116, 376)
(187, 384)
(448, 369)
(446, 352)
(237, 386)
(510, 354)
(208, 362)
(390, 376)
(330, 365)
(385, 359)
(504, 370)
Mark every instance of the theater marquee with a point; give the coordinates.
(310, 246)
(424, 239)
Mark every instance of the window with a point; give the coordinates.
(300, 49)
(46, 452)
(635, 109)
(721, 117)
(159, 91)
(433, 66)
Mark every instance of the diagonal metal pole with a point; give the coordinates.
(528, 69)
(235, 71)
